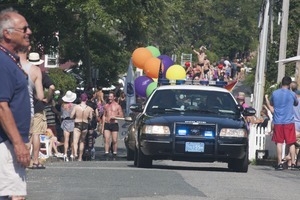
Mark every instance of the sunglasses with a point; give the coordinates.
(23, 29)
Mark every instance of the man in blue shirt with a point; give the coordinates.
(14, 106)
(283, 100)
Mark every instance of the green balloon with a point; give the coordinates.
(155, 51)
(152, 86)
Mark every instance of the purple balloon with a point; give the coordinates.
(167, 61)
(141, 83)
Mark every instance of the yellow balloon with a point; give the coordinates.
(176, 72)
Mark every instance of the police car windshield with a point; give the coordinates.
(185, 100)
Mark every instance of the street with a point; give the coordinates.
(167, 180)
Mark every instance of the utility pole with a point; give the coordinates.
(260, 71)
(283, 39)
(271, 22)
(261, 59)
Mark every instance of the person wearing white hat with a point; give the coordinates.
(34, 58)
(67, 123)
(35, 85)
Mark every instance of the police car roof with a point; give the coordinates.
(192, 87)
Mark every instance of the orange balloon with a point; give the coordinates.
(140, 56)
(151, 67)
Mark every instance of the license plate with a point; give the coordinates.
(194, 147)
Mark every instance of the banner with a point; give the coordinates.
(129, 89)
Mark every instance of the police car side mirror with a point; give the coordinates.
(136, 107)
(249, 111)
(240, 108)
(128, 119)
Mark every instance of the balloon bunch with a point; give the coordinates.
(151, 62)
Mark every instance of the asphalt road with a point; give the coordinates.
(167, 180)
(118, 179)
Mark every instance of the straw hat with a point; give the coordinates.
(34, 58)
(69, 97)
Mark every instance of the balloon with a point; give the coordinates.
(152, 67)
(167, 61)
(176, 72)
(141, 83)
(150, 88)
(140, 56)
(155, 51)
(187, 64)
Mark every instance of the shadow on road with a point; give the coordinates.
(187, 168)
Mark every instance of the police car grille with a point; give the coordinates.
(200, 130)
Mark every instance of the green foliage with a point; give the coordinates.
(292, 42)
(62, 80)
(104, 33)
(270, 88)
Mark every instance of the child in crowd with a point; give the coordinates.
(54, 143)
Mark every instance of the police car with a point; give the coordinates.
(190, 123)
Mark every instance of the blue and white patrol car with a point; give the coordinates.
(190, 123)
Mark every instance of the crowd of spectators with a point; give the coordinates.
(223, 70)
(75, 120)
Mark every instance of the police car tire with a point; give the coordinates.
(240, 165)
(130, 154)
(143, 161)
(135, 156)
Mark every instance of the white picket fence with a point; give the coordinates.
(261, 139)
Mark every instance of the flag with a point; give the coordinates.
(129, 88)
(230, 86)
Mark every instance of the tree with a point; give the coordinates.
(62, 80)
(103, 34)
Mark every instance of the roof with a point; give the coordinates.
(221, 86)
(192, 87)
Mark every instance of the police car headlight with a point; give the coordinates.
(155, 129)
(229, 132)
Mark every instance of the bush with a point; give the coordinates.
(62, 80)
